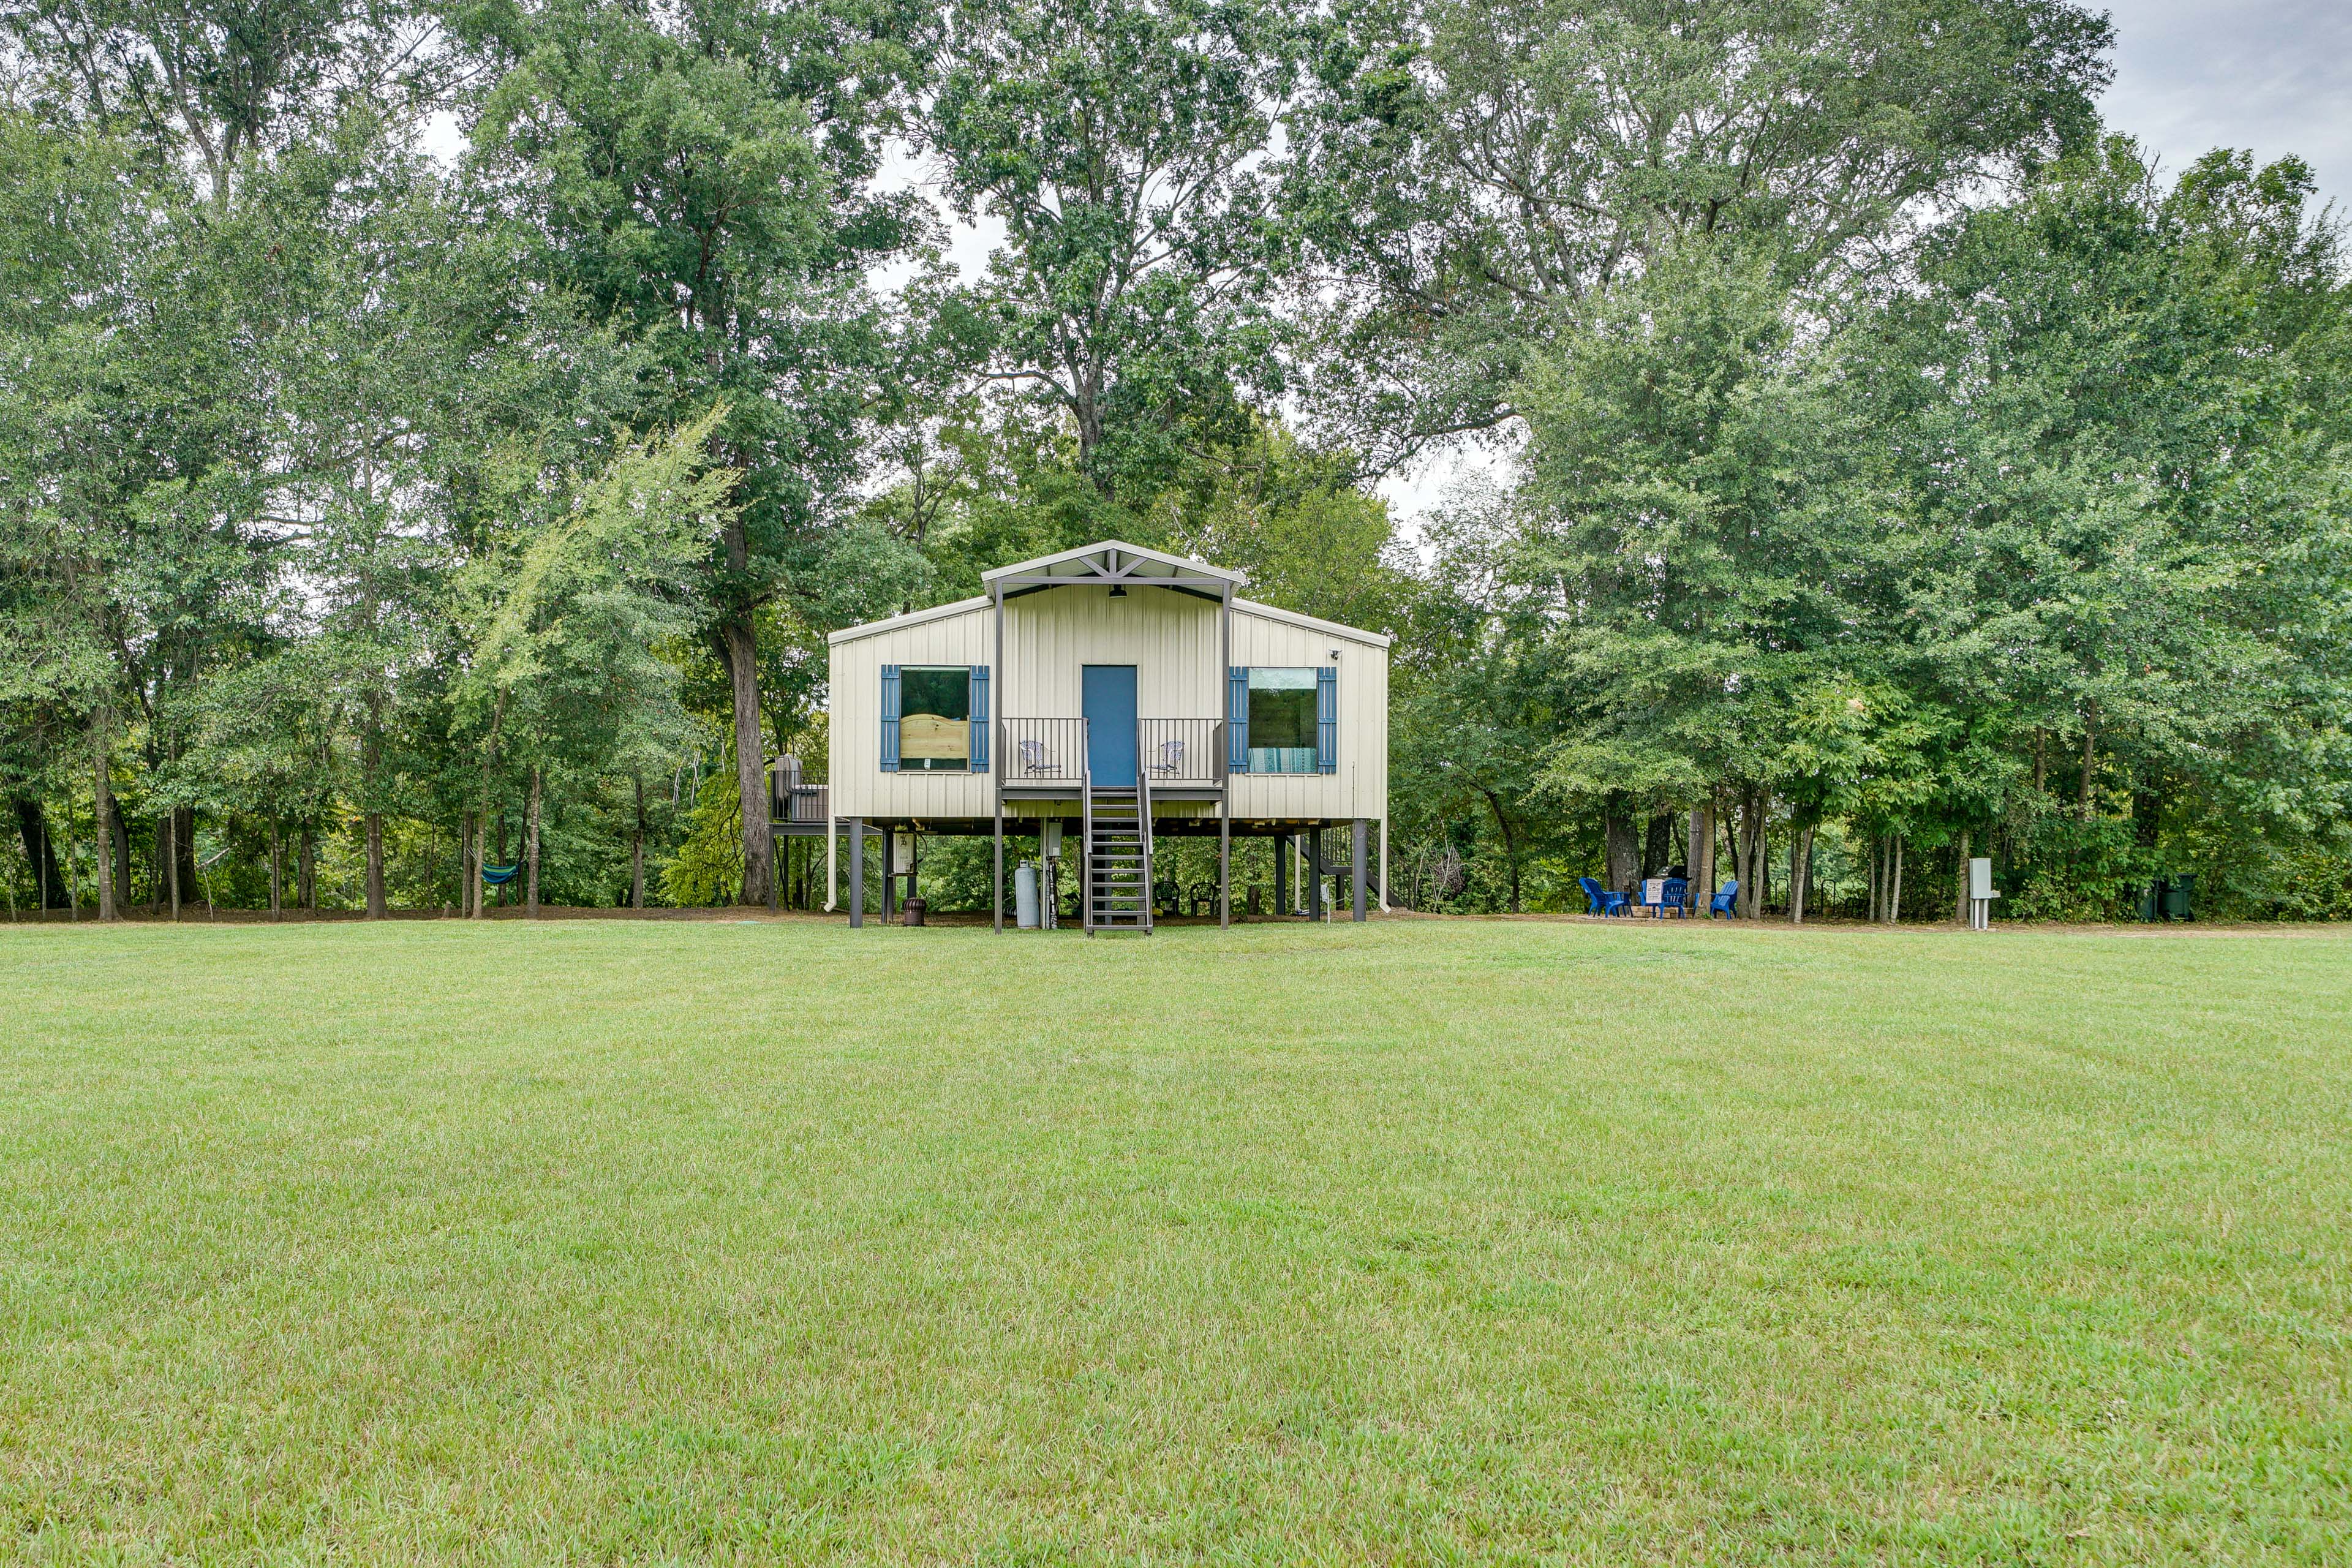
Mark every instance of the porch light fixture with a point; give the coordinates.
(1119, 590)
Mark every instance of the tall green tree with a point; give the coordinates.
(1121, 144)
(1465, 176)
(2118, 419)
(701, 179)
(568, 667)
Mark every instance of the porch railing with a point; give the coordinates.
(806, 803)
(1181, 753)
(1043, 752)
(1177, 753)
(791, 797)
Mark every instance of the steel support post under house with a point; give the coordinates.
(1224, 774)
(998, 763)
(1361, 846)
(856, 872)
(1315, 873)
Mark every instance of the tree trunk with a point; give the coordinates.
(2090, 755)
(102, 814)
(277, 871)
(1502, 826)
(119, 833)
(40, 854)
(1960, 874)
(172, 857)
(638, 852)
(532, 892)
(1754, 845)
(184, 848)
(1801, 865)
(305, 872)
(375, 910)
(1621, 846)
(1658, 844)
(1894, 885)
(740, 650)
(1702, 856)
(476, 907)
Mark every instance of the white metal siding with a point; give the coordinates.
(860, 787)
(1173, 640)
(1361, 786)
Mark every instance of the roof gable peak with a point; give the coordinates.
(1110, 561)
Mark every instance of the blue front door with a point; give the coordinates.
(1108, 692)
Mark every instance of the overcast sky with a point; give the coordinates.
(2272, 75)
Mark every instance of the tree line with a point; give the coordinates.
(438, 437)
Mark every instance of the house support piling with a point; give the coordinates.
(1315, 873)
(857, 871)
(1363, 834)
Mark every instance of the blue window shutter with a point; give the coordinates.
(980, 718)
(1327, 721)
(889, 717)
(1237, 720)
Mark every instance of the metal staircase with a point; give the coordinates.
(1119, 858)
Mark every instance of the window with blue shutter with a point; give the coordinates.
(980, 718)
(1327, 721)
(889, 717)
(1237, 758)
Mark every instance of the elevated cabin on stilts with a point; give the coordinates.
(1112, 697)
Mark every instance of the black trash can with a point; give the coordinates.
(912, 912)
(2179, 898)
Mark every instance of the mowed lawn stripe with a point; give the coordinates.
(1420, 1241)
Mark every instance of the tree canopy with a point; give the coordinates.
(436, 436)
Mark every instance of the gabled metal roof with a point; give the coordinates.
(1112, 561)
(911, 619)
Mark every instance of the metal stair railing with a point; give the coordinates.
(1143, 825)
(1086, 828)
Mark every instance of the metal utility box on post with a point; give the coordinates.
(1980, 893)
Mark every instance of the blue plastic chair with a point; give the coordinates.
(1674, 898)
(1601, 901)
(1723, 903)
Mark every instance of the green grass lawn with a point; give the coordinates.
(1415, 1242)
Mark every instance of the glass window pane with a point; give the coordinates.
(1282, 721)
(935, 719)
